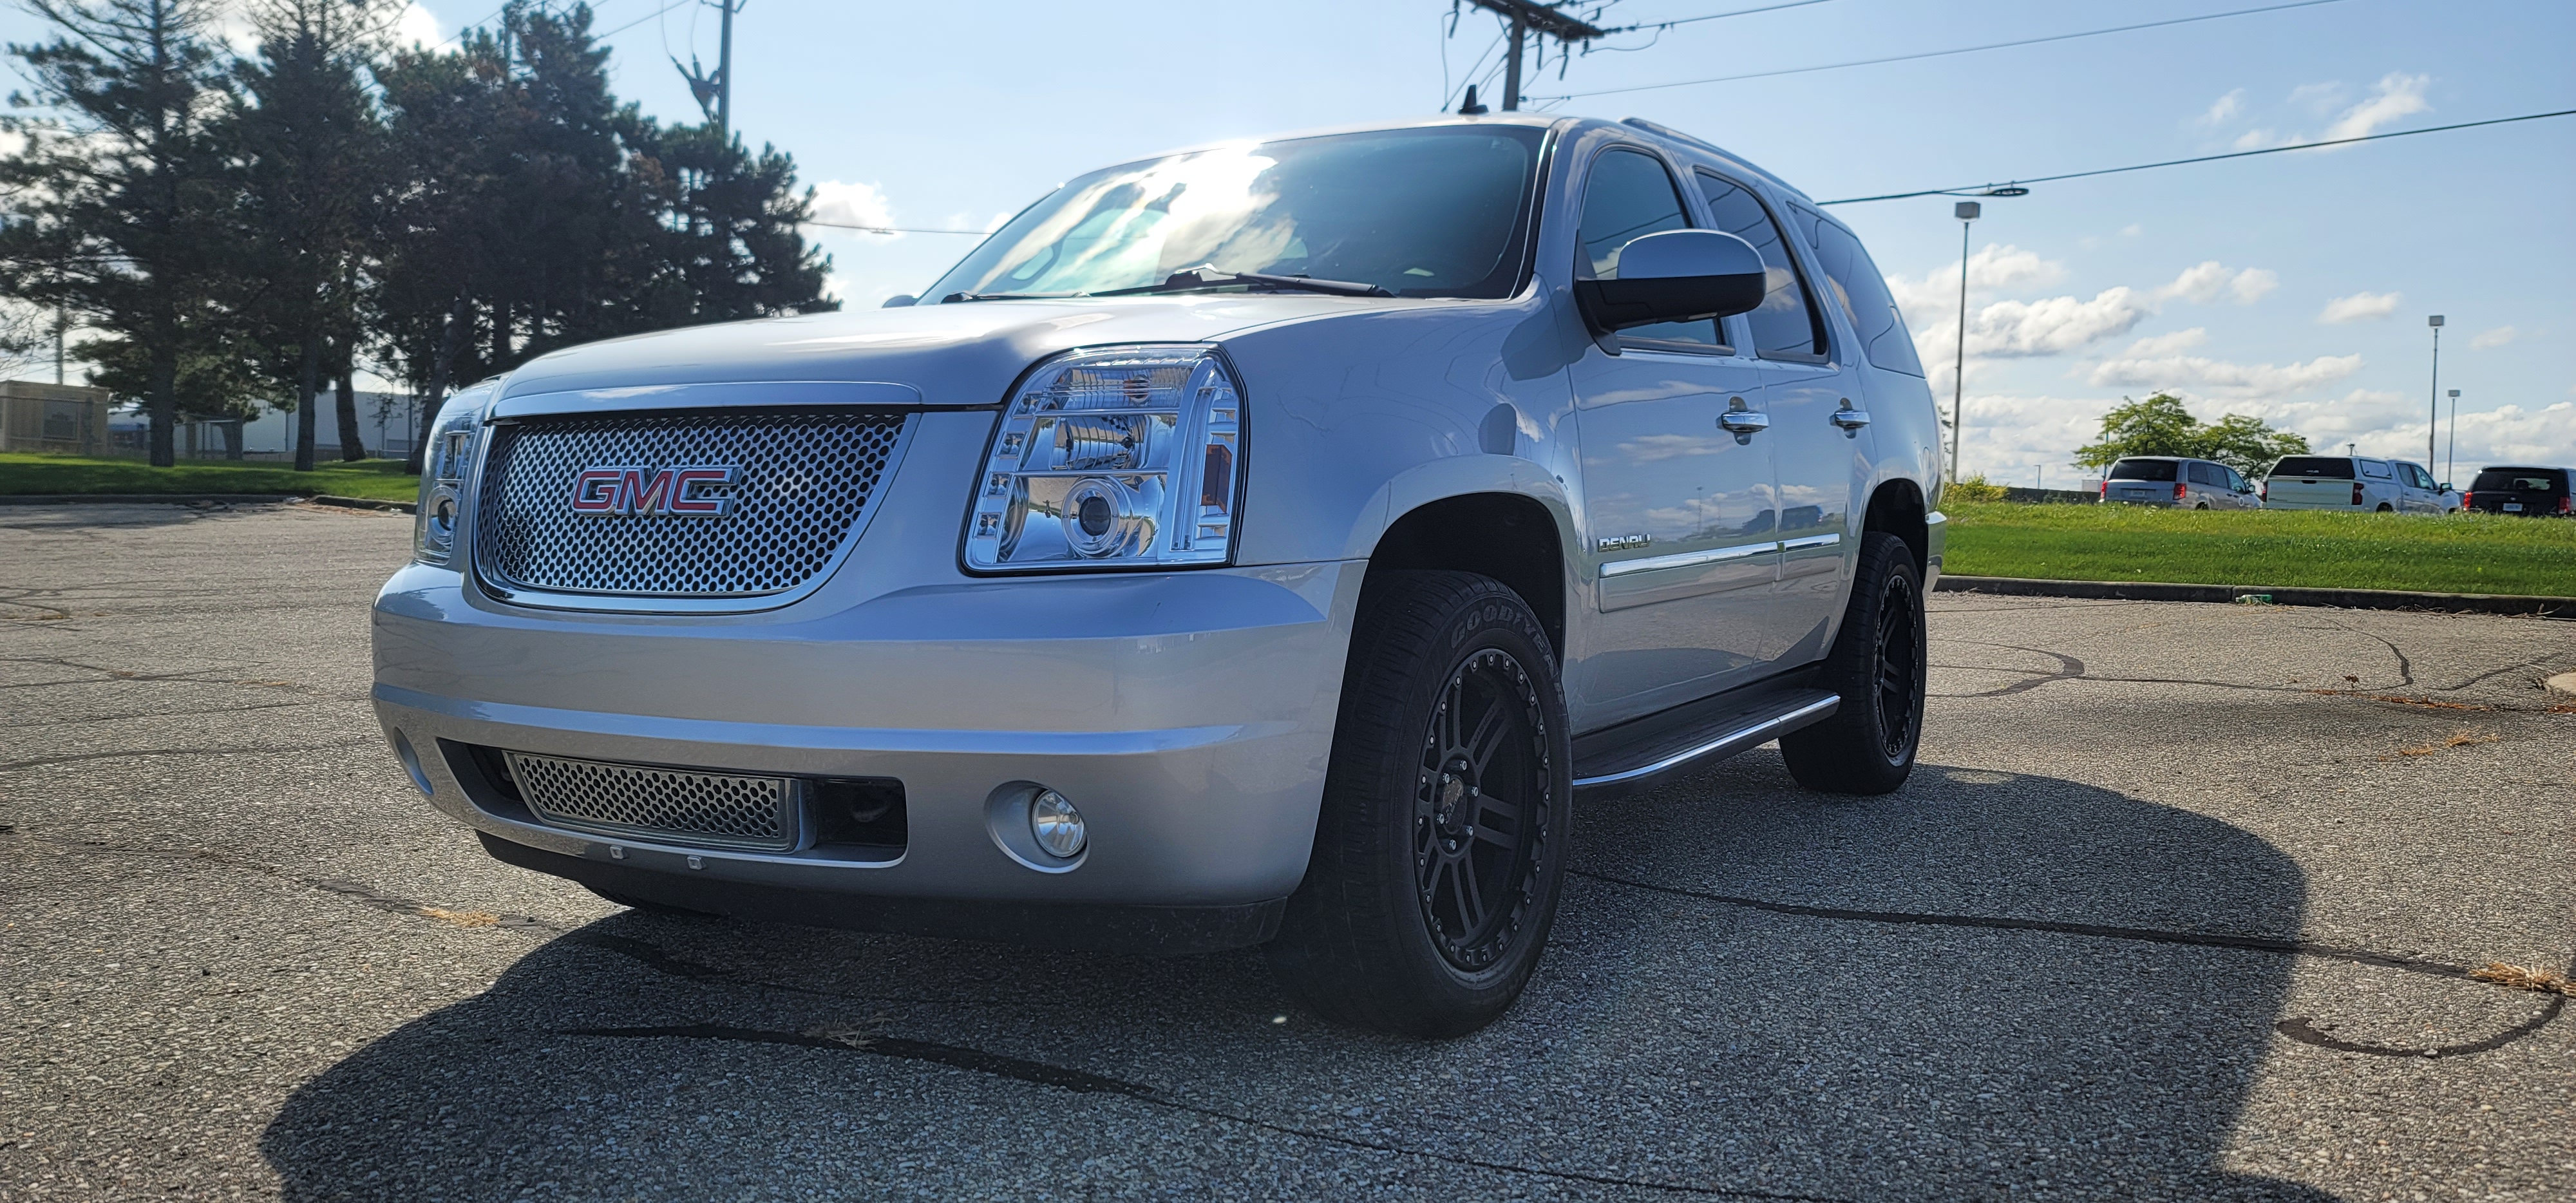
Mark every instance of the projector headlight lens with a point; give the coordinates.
(1114, 457)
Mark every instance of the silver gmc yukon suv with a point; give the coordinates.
(1271, 543)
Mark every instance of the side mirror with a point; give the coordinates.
(899, 302)
(1675, 276)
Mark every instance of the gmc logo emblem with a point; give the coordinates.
(678, 491)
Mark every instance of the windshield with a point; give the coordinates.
(1439, 212)
(2331, 466)
(2143, 469)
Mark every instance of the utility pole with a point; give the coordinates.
(2451, 455)
(1967, 212)
(715, 92)
(1532, 17)
(2435, 322)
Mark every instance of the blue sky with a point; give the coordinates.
(2290, 286)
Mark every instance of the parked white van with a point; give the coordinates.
(2355, 482)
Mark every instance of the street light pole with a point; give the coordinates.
(2451, 454)
(2435, 419)
(1967, 213)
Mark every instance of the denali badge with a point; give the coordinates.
(1623, 542)
(680, 491)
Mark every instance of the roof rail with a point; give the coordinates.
(1662, 130)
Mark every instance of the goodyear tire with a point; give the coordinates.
(1440, 848)
(1878, 665)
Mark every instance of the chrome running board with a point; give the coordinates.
(1637, 754)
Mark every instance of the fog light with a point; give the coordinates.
(1056, 824)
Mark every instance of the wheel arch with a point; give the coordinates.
(1896, 507)
(1512, 537)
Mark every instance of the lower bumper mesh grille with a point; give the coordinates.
(696, 808)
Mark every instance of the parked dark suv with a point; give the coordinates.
(2531, 492)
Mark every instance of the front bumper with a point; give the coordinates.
(1189, 715)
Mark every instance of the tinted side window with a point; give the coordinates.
(1787, 323)
(1862, 293)
(2374, 469)
(1629, 196)
(2206, 474)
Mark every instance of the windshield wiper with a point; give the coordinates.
(1193, 279)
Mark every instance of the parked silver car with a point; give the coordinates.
(2178, 482)
(2356, 482)
(1259, 544)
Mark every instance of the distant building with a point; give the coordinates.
(387, 425)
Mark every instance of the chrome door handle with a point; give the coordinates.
(1744, 421)
(1850, 419)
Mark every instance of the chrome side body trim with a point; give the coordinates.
(1810, 541)
(1685, 559)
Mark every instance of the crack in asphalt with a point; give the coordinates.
(221, 750)
(2299, 1029)
(2405, 667)
(2295, 1029)
(359, 892)
(1079, 1082)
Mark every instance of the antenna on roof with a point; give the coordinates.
(1471, 108)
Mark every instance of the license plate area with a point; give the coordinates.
(2513, 507)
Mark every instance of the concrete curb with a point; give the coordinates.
(363, 503)
(351, 503)
(2350, 599)
(143, 498)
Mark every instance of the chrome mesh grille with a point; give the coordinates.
(674, 805)
(806, 479)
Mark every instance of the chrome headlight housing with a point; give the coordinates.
(1115, 457)
(443, 465)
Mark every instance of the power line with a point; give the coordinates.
(1741, 12)
(642, 19)
(2269, 150)
(1903, 58)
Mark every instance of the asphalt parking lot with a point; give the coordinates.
(2185, 902)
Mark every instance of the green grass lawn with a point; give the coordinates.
(23, 473)
(2312, 548)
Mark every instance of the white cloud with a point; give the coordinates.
(2218, 375)
(416, 26)
(2054, 326)
(2257, 139)
(2359, 307)
(853, 204)
(2396, 95)
(2318, 98)
(2224, 108)
(2497, 337)
(2203, 282)
(2253, 284)
(1992, 269)
(2161, 345)
(2132, 230)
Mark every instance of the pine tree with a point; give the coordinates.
(120, 192)
(306, 132)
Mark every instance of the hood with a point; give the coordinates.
(945, 355)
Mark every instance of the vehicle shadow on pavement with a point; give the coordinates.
(1753, 991)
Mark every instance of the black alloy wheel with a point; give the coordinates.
(1900, 656)
(1440, 845)
(1879, 664)
(1477, 843)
